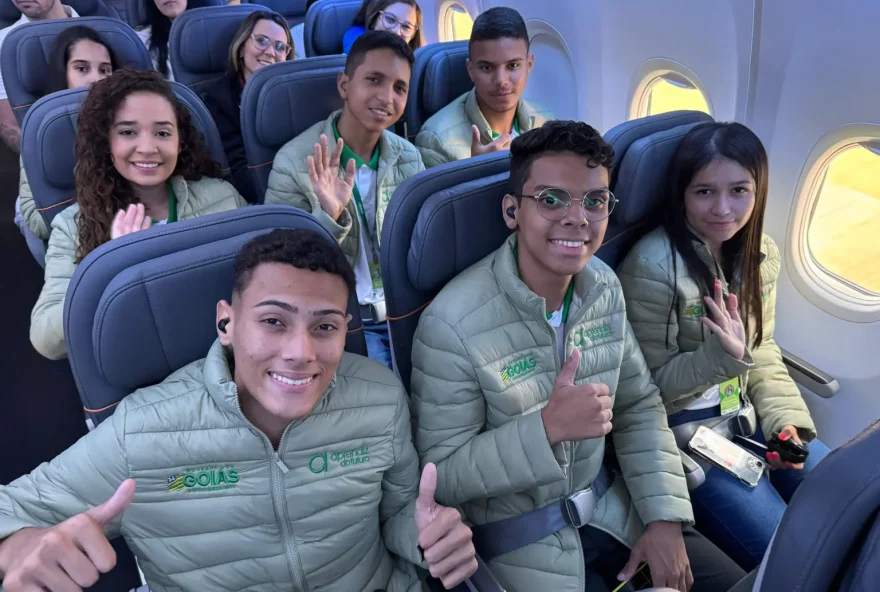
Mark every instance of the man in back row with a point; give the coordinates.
(488, 117)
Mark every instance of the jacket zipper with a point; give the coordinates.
(279, 469)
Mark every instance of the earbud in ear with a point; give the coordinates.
(221, 326)
(511, 212)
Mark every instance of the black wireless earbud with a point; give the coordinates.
(511, 212)
(221, 326)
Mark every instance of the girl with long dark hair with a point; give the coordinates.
(701, 297)
(160, 15)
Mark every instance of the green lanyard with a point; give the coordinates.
(172, 206)
(495, 135)
(569, 292)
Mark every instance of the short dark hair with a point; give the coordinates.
(59, 55)
(556, 137)
(497, 23)
(303, 249)
(372, 40)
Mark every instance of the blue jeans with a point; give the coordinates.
(378, 342)
(741, 520)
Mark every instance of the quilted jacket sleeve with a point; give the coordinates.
(645, 445)
(649, 293)
(776, 397)
(448, 403)
(400, 487)
(47, 318)
(81, 477)
(431, 148)
(32, 217)
(288, 186)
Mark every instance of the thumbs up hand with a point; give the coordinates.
(68, 556)
(444, 539)
(576, 412)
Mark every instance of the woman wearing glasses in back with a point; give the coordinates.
(401, 17)
(262, 39)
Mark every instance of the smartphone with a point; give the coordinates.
(640, 581)
(727, 456)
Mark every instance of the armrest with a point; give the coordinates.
(810, 377)
(693, 472)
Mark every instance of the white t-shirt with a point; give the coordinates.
(711, 397)
(365, 179)
(71, 13)
(145, 35)
(299, 47)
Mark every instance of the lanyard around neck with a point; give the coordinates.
(569, 292)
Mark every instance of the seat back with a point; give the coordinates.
(24, 56)
(294, 11)
(137, 15)
(438, 223)
(282, 101)
(162, 285)
(828, 536)
(48, 136)
(200, 40)
(439, 76)
(643, 149)
(326, 23)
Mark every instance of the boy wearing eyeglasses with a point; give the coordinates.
(488, 117)
(521, 366)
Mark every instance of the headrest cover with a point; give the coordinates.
(446, 77)
(289, 9)
(456, 228)
(326, 23)
(643, 175)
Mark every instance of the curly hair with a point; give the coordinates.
(554, 137)
(100, 190)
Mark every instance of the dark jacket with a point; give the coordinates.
(223, 99)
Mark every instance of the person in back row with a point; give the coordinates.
(31, 10)
(701, 295)
(160, 16)
(78, 57)
(140, 161)
(262, 39)
(488, 117)
(278, 462)
(401, 17)
(521, 366)
(348, 187)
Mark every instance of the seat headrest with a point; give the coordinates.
(91, 8)
(137, 16)
(25, 53)
(283, 100)
(439, 76)
(623, 135)
(48, 136)
(8, 13)
(162, 284)
(326, 23)
(200, 39)
(294, 11)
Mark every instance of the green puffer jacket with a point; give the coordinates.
(447, 135)
(484, 363)
(32, 217)
(194, 199)
(216, 508)
(289, 181)
(685, 357)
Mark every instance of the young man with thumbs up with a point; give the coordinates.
(523, 364)
(278, 462)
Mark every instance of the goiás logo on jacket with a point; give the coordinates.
(204, 479)
(322, 462)
(518, 369)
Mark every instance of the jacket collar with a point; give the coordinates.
(525, 116)
(389, 150)
(706, 256)
(181, 193)
(588, 285)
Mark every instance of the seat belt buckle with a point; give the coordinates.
(580, 507)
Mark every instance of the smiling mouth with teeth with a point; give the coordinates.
(146, 165)
(290, 381)
(568, 243)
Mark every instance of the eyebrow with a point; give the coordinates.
(125, 123)
(543, 187)
(488, 63)
(744, 182)
(293, 310)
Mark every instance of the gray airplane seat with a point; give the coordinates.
(281, 102)
(136, 14)
(142, 306)
(326, 23)
(293, 11)
(642, 151)
(439, 77)
(199, 42)
(25, 53)
(438, 223)
(48, 134)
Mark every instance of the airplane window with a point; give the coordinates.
(457, 23)
(843, 234)
(671, 92)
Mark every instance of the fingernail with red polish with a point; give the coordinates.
(783, 436)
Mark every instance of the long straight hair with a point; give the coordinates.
(160, 31)
(741, 254)
(59, 55)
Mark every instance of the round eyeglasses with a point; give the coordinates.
(554, 203)
(391, 22)
(262, 42)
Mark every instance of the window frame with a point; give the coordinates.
(445, 19)
(649, 73)
(836, 295)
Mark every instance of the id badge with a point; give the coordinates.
(376, 277)
(731, 396)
